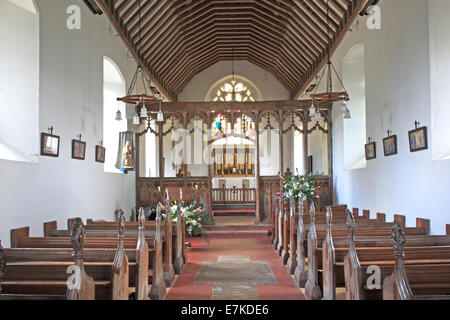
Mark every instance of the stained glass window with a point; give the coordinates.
(234, 91)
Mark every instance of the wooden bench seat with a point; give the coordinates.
(103, 263)
(325, 287)
(40, 279)
(103, 289)
(413, 282)
(433, 260)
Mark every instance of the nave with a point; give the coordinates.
(224, 150)
(234, 267)
(306, 255)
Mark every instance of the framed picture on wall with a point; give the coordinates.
(78, 149)
(390, 146)
(371, 150)
(100, 154)
(49, 145)
(418, 139)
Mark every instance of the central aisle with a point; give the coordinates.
(234, 267)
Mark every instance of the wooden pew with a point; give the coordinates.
(158, 289)
(107, 229)
(176, 260)
(397, 286)
(22, 278)
(285, 233)
(169, 273)
(300, 249)
(281, 213)
(274, 223)
(142, 264)
(380, 229)
(105, 243)
(334, 250)
(276, 217)
(292, 260)
(433, 259)
(120, 266)
(300, 274)
(312, 289)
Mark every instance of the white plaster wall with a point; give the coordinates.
(71, 89)
(197, 88)
(440, 77)
(19, 81)
(398, 93)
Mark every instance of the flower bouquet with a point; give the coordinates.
(299, 186)
(195, 218)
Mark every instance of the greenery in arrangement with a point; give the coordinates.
(195, 218)
(300, 186)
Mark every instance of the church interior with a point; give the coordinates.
(224, 150)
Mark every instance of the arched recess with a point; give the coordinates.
(247, 82)
(293, 131)
(113, 87)
(19, 81)
(196, 125)
(269, 143)
(355, 128)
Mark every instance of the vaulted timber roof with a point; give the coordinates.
(180, 38)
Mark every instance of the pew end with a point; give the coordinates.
(49, 227)
(71, 221)
(401, 219)
(19, 234)
(381, 217)
(423, 223)
(366, 214)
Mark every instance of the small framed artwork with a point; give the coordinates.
(418, 139)
(78, 149)
(390, 146)
(100, 154)
(371, 150)
(49, 145)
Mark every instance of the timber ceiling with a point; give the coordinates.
(180, 38)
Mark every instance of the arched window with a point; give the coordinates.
(113, 87)
(355, 128)
(19, 81)
(234, 91)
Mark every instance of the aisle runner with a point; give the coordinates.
(235, 277)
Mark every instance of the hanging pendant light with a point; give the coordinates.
(347, 114)
(160, 116)
(144, 113)
(318, 116)
(312, 110)
(136, 120)
(330, 95)
(118, 113)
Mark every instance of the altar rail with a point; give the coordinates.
(233, 196)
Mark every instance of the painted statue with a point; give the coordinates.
(127, 154)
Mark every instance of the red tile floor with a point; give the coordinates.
(258, 247)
